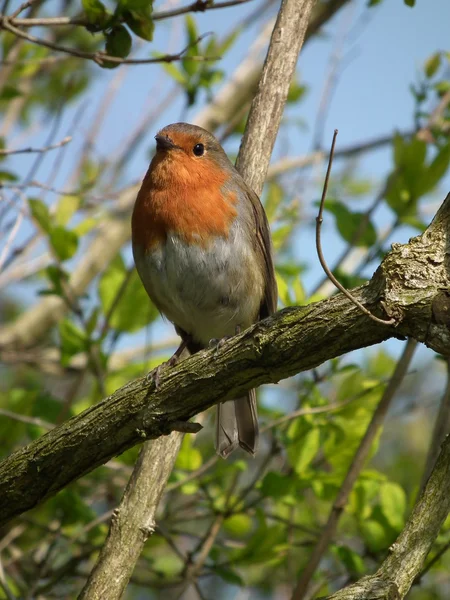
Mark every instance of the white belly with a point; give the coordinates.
(208, 292)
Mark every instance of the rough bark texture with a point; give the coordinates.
(412, 282)
(133, 522)
(268, 105)
(394, 578)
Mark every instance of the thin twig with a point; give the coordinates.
(99, 57)
(24, 419)
(354, 470)
(319, 221)
(63, 142)
(197, 6)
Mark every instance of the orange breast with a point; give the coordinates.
(182, 195)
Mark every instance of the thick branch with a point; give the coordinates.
(410, 281)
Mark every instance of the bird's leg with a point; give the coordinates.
(154, 375)
(217, 344)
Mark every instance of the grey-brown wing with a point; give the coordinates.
(265, 249)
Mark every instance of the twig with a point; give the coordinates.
(197, 6)
(63, 142)
(100, 57)
(4, 584)
(325, 267)
(354, 471)
(12, 235)
(25, 419)
(318, 409)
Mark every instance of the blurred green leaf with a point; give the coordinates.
(189, 458)
(276, 485)
(40, 212)
(354, 227)
(95, 11)
(238, 525)
(118, 42)
(7, 176)
(140, 22)
(432, 64)
(72, 340)
(132, 307)
(393, 504)
(66, 208)
(351, 560)
(64, 242)
(302, 453)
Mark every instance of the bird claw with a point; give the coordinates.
(155, 374)
(218, 343)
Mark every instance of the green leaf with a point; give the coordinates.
(95, 11)
(276, 485)
(118, 42)
(72, 341)
(374, 535)
(410, 3)
(10, 92)
(296, 91)
(436, 171)
(189, 458)
(64, 242)
(8, 176)
(351, 560)
(67, 207)
(432, 64)
(175, 73)
(353, 226)
(393, 504)
(40, 212)
(140, 22)
(133, 309)
(238, 525)
(303, 452)
(228, 575)
(57, 277)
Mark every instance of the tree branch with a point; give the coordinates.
(410, 283)
(394, 578)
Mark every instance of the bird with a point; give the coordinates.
(202, 247)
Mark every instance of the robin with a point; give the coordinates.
(202, 248)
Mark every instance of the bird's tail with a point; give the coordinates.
(237, 425)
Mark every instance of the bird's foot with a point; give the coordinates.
(218, 343)
(155, 374)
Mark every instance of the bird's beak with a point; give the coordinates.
(164, 143)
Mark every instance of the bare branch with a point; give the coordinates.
(325, 267)
(198, 6)
(63, 142)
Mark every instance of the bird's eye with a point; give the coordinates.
(199, 149)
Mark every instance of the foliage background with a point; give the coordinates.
(372, 71)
